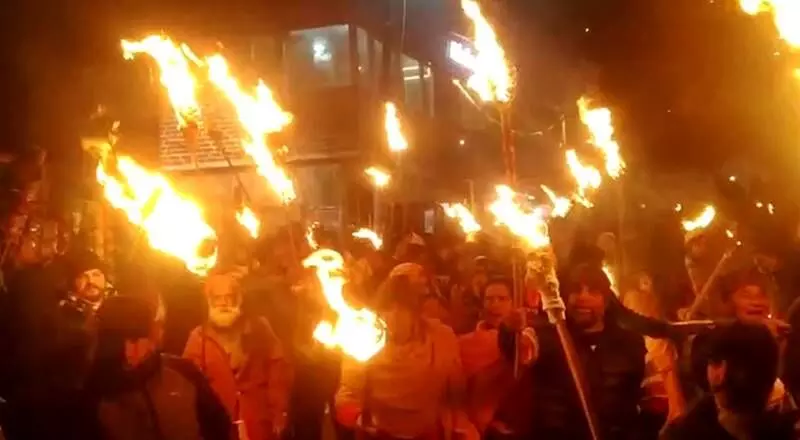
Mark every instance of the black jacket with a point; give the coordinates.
(700, 423)
(613, 362)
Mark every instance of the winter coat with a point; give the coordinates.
(257, 393)
(165, 398)
(701, 423)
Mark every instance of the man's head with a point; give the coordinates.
(131, 321)
(744, 296)
(479, 274)
(224, 300)
(88, 277)
(418, 280)
(742, 367)
(587, 289)
(497, 300)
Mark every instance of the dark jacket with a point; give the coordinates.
(613, 362)
(165, 398)
(701, 423)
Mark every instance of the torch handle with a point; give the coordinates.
(703, 294)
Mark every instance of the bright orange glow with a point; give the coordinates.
(586, 177)
(172, 222)
(561, 205)
(248, 219)
(359, 333)
(601, 128)
(394, 130)
(465, 219)
(491, 77)
(369, 235)
(528, 225)
(702, 221)
(379, 177)
(260, 115)
(786, 14)
(176, 74)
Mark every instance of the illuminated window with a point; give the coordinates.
(412, 83)
(318, 57)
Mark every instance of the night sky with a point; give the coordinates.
(691, 82)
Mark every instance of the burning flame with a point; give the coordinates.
(702, 221)
(465, 218)
(247, 218)
(586, 177)
(394, 131)
(610, 274)
(379, 177)
(173, 223)
(312, 241)
(369, 234)
(176, 74)
(601, 129)
(530, 226)
(259, 115)
(491, 79)
(786, 14)
(561, 205)
(359, 333)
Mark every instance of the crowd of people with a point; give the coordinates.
(469, 353)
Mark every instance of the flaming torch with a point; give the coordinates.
(172, 222)
(260, 115)
(531, 227)
(177, 78)
(380, 180)
(358, 333)
(786, 14)
(465, 219)
(248, 219)
(369, 235)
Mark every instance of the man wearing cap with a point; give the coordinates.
(244, 361)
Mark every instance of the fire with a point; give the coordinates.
(176, 74)
(702, 221)
(561, 205)
(786, 14)
(598, 121)
(610, 274)
(310, 238)
(369, 234)
(259, 115)
(586, 177)
(491, 79)
(394, 131)
(247, 218)
(173, 223)
(359, 333)
(465, 218)
(379, 177)
(530, 225)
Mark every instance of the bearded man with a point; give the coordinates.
(243, 360)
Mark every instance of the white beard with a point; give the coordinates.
(224, 317)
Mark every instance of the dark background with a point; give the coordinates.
(692, 83)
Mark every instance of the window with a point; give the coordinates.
(412, 83)
(318, 57)
(369, 60)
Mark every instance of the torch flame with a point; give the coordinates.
(173, 223)
(369, 234)
(359, 333)
(176, 75)
(247, 218)
(379, 177)
(530, 226)
(598, 121)
(394, 131)
(259, 115)
(586, 177)
(786, 14)
(702, 221)
(465, 218)
(561, 205)
(491, 79)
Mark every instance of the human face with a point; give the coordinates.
(586, 308)
(137, 351)
(224, 301)
(750, 304)
(496, 303)
(91, 284)
(715, 373)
